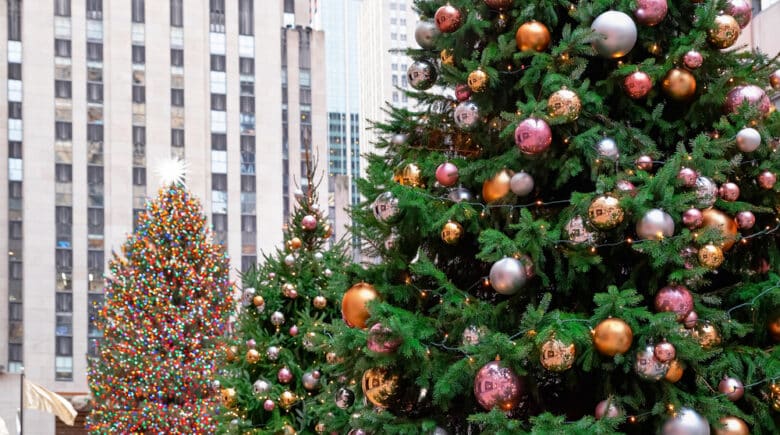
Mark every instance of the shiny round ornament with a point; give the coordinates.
(499, 4)
(626, 187)
(692, 218)
(521, 184)
(252, 356)
(327, 273)
(664, 351)
(421, 75)
(725, 225)
(497, 386)
(451, 233)
(354, 304)
(460, 194)
(578, 232)
(507, 276)
(707, 335)
(656, 224)
(272, 353)
(638, 84)
(309, 223)
(277, 318)
(409, 175)
(378, 385)
(691, 320)
(258, 301)
(607, 409)
(289, 260)
(261, 387)
(687, 177)
(557, 356)
(382, 340)
(748, 140)
(675, 372)
(251, 343)
(385, 207)
(448, 18)
(230, 353)
(686, 421)
(344, 398)
(745, 220)
(447, 174)
(773, 327)
(767, 180)
(293, 331)
(612, 336)
(319, 302)
(741, 10)
(466, 115)
(732, 388)
(311, 380)
(284, 375)
(532, 36)
(650, 12)
(392, 240)
(447, 57)
(731, 426)
(462, 92)
(496, 187)
(399, 139)
(287, 399)
(679, 84)
(228, 396)
(533, 136)
(477, 80)
(605, 212)
(246, 296)
(564, 104)
(752, 94)
(774, 79)
(619, 34)
(729, 191)
(644, 163)
(724, 31)
(269, 405)
(706, 192)
(647, 366)
(318, 256)
(425, 34)
(693, 59)
(676, 299)
(287, 288)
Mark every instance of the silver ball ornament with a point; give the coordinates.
(318, 256)
(521, 184)
(391, 241)
(607, 149)
(272, 353)
(619, 32)
(578, 232)
(261, 387)
(647, 365)
(655, 225)
(277, 318)
(686, 422)
(247, 296)
(706, 192)
(289, 260)
(328, 273)
(399, 139)
(298, 193)
(425, 33)
(440, 431)
(385, 207)
(748, 140)
(421, 75)
(460, 194)
(344, 398)
(466, 115)
(310, 381)
(507, 276)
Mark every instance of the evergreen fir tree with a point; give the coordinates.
(167, 297)
(582, 239)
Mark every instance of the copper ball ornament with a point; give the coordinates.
(774, 79)
(729, 191)
(664, 351)
(507, 276)
(687, 177)
(752, 94)
(521, 183)
(425, 34)
(724, 31)
(706, 192)
(655, 224)
(675, 372)
(319, 302)
(724, 224)
(618, 32)
(447, 174)
(477, 80)
(707, 335)
(532, 36)
(448, 18)
(354, 304)
(741, 10)
(607, 409)
(230, 353)
(258, 301)
(612, 336)
(748, 140)
(533, 136)
(557, 356)
(732, 388)
(605, 212)
(451, 232)
(638, 84)
(287, 399)
(252, 356)
(767, 180)
(693, 59)
(693, 218)
(497, 186)
(296, 243)
(564, 104)
(676, 299)
(731, 425)
(382, 340)
(650, 12)
(378, 386)
(686, 421)
(496, 385)
(679, 84)
(647, 366)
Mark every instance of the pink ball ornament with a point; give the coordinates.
(676, 299)
(644, 163)
(626, 187)
(269, 405)
(687, 176)
(462, 92)
(251, 343)
(745, 220)
(284, 375)
(309, 222)
(447, 174)
(754, 95)
(650, 12)
(293, 330)
(693, 59)
(496, 385)
(729, 191)
(381, 340)
(292, 294)
(693, 218)
(607, 409)
(533, 136)
(691, 319)
(732, 388)
(664, 351)
(638, 84)
(767, 180)
(741, 10)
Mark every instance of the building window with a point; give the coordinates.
(62, 8)
(95, 262)
(138, 11)
(64, 173)
(95, 92)
(95, 51)
(14, 20)
(217, 15)
(218, 102)
(218, 142)
(289, 6)
(94, 175)
(62, 48)
(14, 110)
(247, 183)
(62, 89)
(217, 62)
(246, 66)
(63, 130)
(247, 104)
(95, 221)
(95, 9)
(177, 17)
(219, 182)
(95, 133)
(139, 54)
(139, 135)
(63, 260)
(177, 137)
(177, 97)
(139, 176)
(245, 17)
(14, 150)
(14, 71)
(219, 221)
(177, 57)
(139, 94)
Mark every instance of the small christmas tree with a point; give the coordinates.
(582, 236)
(272, 365)
(167, 297)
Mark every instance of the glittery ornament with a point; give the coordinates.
(638, 84)
(655, 225)
(752, 94)
(612, 336)
(664, 351)
(421, 75)
(557, 356)
(382, 340)
(686, 421)
(354, 304)
(732, 388)
(521, 184)
(344, 398)
(748, 140)
(679, 84)
(378, 385)
(425, 34)
(619, 34)
(477, 80)
(577, 231)
(532, 36)
(607, 409)
(767, 180)
(650, 12)
(466, 115)
(507, 276)
(451, 232)
(448, 18)
(692, 218)
(605, 212)
(447, 174)
(706, 192)
(693, 59)
(496, 187)
(676, 299)
(496, 385)
(564, 104)
(533, 136)
(724, 31)
(729, 191)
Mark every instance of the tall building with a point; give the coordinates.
(96, 94)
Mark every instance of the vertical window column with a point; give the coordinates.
(304, 90)
(177, 79)
(63, 173)
(246, 67)
(218, 89)
(139, 107)
(285, 131)
(15, 180)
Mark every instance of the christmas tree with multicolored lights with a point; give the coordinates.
(167, 298)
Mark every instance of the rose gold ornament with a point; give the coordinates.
(731, 426)
(679, 84)
(741, 10)
(557, 356)
(692, 218)
(532, 36)
(309, 222)
(284, 375)
(687, 176)
(448, 18)
(564, 104)
(650, 12)
(676, 299)
(745, 220)
(724, 31)
(729, 191)
(612, 336)
(607, 409)
(605, 212)
(644, 163)
(752, 94)
(732, 388)
(496, 385)
(447, 174)
(638, 84)
(691, 320)
(354, 304)
(319, 302)
(626, 186)
(767, 180)
(382, 340)
(462, 92)
(693, 59)
(533, 136)
(664, 351)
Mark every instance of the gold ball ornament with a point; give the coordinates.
(710, 256)
(447, 57)
(287, 399)
(707, 335)
(378, 385)
(605, 212)
(296, 243)
(410, 175)
(731, 426)
(258, 301)
(451, 232)
(532, 36)
(252, 356)
(557, 356)
(727, 226)
(228, 396)
(679, 84)
(564, 104)
(774, 79)
(354, 304)
(724, 31)
(477, 80)
(675, 372)
(497, 187)
(231, 353)
(319, 302)
(612, 337)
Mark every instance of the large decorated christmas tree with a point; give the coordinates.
(272, 366)
(577, 228)
(167, 298)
